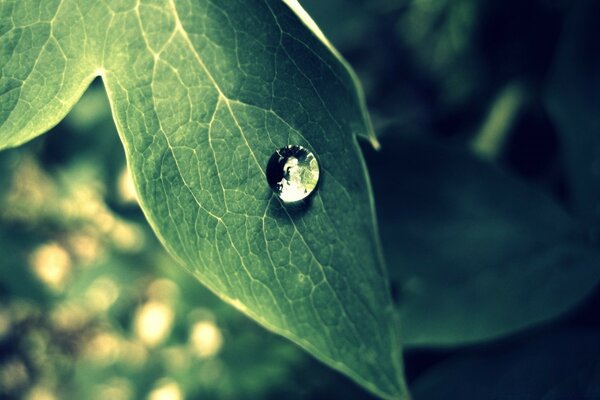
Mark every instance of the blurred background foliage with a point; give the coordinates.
(488, 194)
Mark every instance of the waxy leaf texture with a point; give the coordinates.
(202, 93)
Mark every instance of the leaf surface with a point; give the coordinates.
(203, 92)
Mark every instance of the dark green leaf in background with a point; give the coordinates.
(202, 94)
(573, 98)
(474, 253)
(563, 365)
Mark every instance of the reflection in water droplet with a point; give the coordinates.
(293, 173)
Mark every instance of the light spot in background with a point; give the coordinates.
(176, 358)
(21, 310)
(163, 290)
(69, 317)
(115, 389)
(153, 322)
(83, 199)
(40, 393)
(491, 138)
(206, 339)
(30, 190)
(37, 345)
(166, 390)
(136, 353)
(5, 322)
(210, 371)
(85, 247)
(52, 264)
(13, 375)
(104, 221)
(127, 237)
(102, 293)
(74, 197)
(104, 348)
(127, 191)
(85, 203)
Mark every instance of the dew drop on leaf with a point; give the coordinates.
(293, 173)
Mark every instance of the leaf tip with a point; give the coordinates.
(375, 142)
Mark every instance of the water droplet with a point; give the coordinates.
(293, 173)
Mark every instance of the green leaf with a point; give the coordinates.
(202, 94)
(564, 365)
(573, 99)
(474, 254)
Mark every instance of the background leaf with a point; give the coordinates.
(202, 94)
(573, 98)
(555, 366)
(473, 253)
